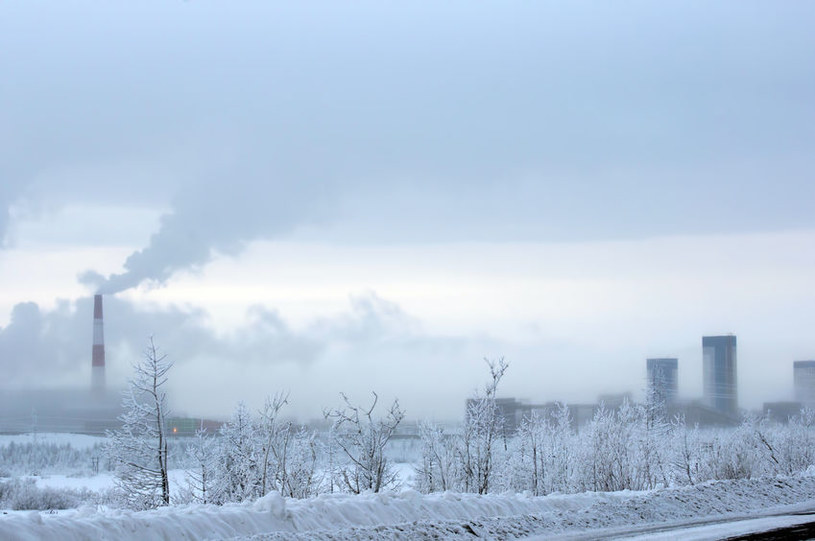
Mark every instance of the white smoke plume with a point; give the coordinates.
(218, 216)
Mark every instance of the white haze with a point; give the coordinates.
(324, 198)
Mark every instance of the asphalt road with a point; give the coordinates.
(797, 532)
(801, 525)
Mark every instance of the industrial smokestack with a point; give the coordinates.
(98, 354)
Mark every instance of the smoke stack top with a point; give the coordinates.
(98, 352)
(97, 307)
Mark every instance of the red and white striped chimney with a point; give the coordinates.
(98, 354)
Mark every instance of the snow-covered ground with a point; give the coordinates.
(707, 511)
(97, 483)
(410, 515)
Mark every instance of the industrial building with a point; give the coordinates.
(90, 410)
(781, 412)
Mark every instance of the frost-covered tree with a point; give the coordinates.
(483, 426)
(34, 457)
(138, 450)
(625, 449)
(649, 436)
(796, 443)
(274, 442)
(439, 469)
(362, 438)
(736, 453)
(561, 438)
(599, 450)
(300, 477)
(200, 477)
(544, 451)
(542, 463)
(685, 448)
(238, 473)
(289, 463)
(255, 455)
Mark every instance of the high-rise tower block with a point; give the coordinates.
(719, 373)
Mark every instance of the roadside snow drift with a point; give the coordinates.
(410, 515)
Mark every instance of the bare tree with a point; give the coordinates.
(362, 439)
(138, 449)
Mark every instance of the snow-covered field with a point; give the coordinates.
(410, 515)
(53, 472)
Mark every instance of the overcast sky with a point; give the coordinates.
(334, 196)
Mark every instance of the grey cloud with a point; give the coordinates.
(267, 338)
(45, 347)
(40, 348)
(6, 197)
(373, 345)
(371, 319)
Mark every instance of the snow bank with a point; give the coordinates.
(410, 515)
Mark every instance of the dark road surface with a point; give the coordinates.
(799, 531)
